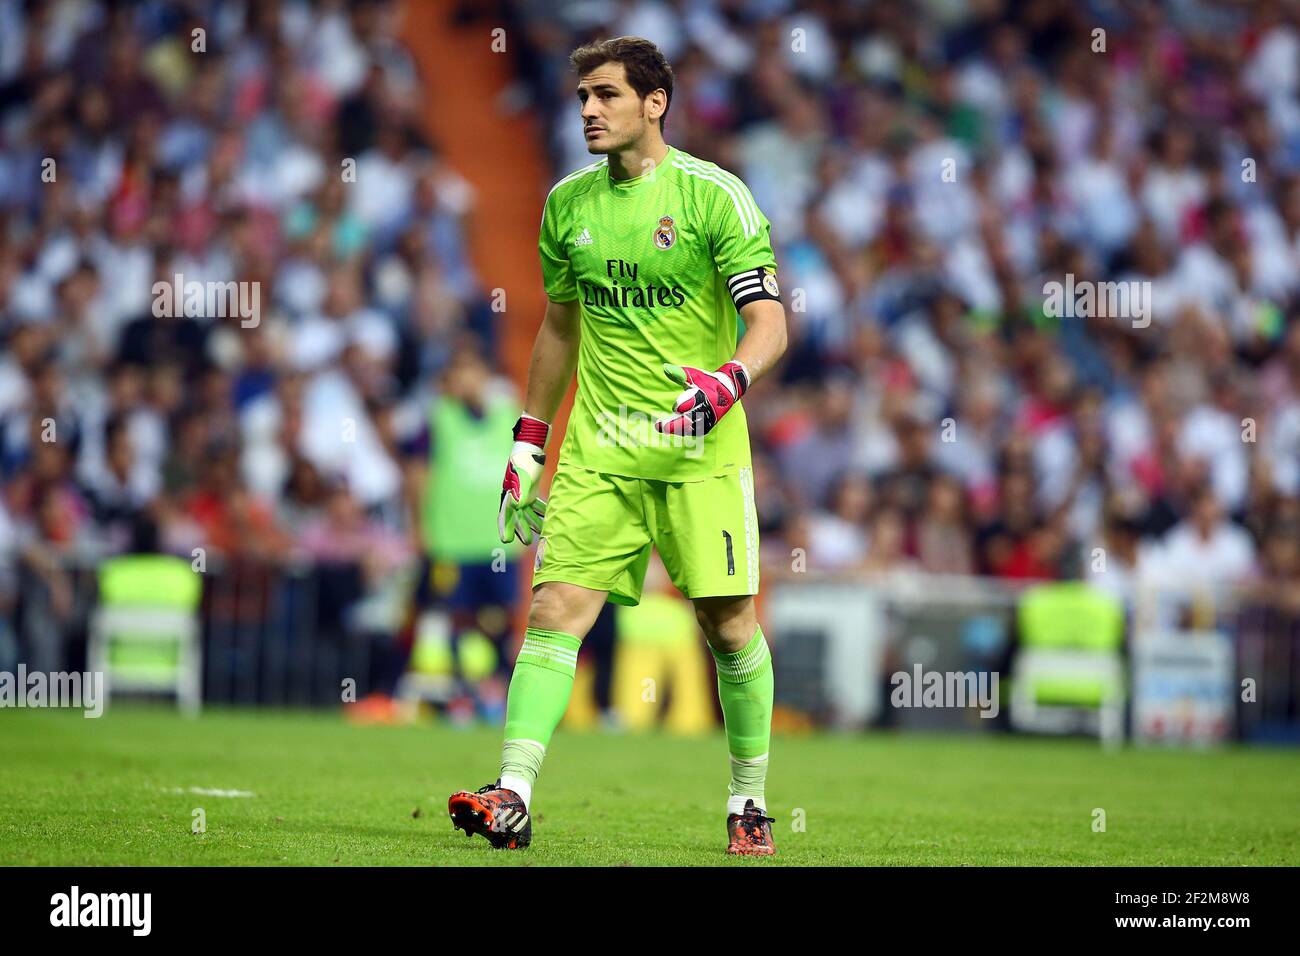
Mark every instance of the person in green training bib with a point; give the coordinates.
(647, 257)
(466, 571)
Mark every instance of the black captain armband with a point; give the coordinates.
(752, 285)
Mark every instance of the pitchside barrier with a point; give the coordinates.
(1161, 665)
(914, 652)
(244, 633)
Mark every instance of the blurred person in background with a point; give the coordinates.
(826, 441)
(123, 488)
(223, 516)
(943, 543)
(55, 540)
(1205, 549)
(906, 485)
(1279, 569)
(361, 595)
(887, 557)
(1115, 559)
(9, 650)
(468, 572)
(837, 537)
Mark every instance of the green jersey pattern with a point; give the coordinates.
(648, 260)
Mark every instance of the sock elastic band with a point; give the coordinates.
(553, 650)
(745, 664)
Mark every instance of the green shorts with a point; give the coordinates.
(599, 528)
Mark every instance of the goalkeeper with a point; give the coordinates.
(647, 255)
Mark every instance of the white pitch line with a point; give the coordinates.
(210, 792)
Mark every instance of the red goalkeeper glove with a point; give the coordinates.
(706, 398)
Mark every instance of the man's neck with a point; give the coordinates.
(638, 159)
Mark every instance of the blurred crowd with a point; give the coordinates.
(205, 142)
(927, 168)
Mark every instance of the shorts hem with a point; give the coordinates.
(564, 577)
(726, 592)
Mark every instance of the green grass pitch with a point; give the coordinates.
(117, 790)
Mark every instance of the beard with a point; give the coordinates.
(608, 143)
(612, 142)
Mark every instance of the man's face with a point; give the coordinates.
(613, 115)
(1207, 512)
(466, 378)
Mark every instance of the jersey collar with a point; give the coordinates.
(638, 181)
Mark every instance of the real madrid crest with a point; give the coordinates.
(665, 235)
(769, 282)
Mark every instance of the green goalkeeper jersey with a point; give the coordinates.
(648, 260)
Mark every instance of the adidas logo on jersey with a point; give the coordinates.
(584, 239)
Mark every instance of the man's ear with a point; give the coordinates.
(656, 99)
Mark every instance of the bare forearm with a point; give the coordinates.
(764, 341)
(555, 356)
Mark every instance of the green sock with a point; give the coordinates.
(538, 697)
(745, 691)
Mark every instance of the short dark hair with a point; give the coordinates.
(646, 67)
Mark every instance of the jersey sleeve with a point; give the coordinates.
(740, 232)
(557, 271)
